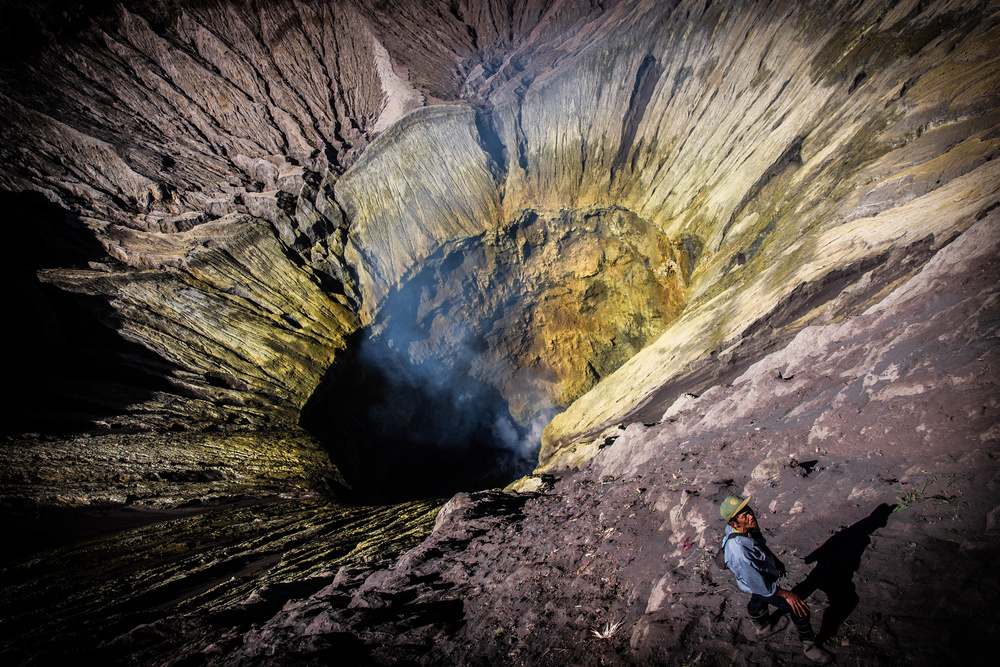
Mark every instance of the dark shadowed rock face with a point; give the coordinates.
(301, 248)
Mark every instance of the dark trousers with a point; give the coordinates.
(758, 607)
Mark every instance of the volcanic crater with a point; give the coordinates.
(393, 333)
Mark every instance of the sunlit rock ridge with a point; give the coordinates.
(587, 207)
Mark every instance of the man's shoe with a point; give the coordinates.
(771, 625)
(815, 653)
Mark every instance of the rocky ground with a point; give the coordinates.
(98, 573)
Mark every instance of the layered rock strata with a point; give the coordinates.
(746, 247)
(235, 564)
(769, 178)
(147, 470)
(247, 333)
(787, 176)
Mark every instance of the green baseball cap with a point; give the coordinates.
(731, 506)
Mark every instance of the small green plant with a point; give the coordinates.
(914, 496)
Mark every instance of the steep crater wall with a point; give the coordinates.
(597, 210)
(485, 339)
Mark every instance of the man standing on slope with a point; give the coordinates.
(757, 572)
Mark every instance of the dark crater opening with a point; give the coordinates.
(401, 431)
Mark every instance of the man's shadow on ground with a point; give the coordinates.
(837, 560)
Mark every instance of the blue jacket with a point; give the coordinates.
(751, 562)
